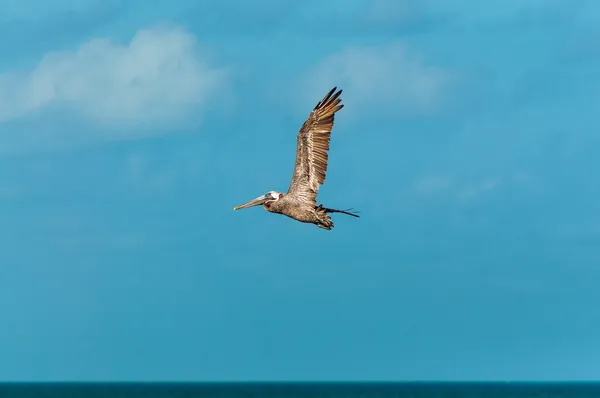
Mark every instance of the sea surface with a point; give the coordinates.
(300, 390)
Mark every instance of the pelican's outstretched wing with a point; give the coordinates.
(311, 152)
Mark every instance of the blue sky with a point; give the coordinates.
(468, 142)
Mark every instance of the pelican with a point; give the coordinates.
(299, 202)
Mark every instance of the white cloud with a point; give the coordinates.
(159, 77)
(385, 75)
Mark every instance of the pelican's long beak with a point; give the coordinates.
(254, 202)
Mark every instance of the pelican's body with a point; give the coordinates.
(299, 202)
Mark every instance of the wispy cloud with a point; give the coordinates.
(457, 188)
(450, 187)
(159, 77)
(388, 76)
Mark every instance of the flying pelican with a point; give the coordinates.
(299, 202)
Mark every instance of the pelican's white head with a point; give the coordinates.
(274, 196)
(271, 196)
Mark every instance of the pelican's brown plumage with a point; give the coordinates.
(310, 169)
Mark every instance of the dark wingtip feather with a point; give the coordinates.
(329, 98)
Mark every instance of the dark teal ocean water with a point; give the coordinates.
(301, 390)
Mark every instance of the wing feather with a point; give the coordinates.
(311, 152)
